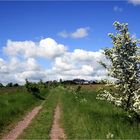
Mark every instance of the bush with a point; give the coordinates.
(1, 85)
(34, 89)
(9, 85)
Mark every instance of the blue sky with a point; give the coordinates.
(33, 21)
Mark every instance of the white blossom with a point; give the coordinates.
(125, 68)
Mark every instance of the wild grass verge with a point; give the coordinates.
(95, 119)
(14, 103)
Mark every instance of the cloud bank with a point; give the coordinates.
(22, 62)
(47, 48)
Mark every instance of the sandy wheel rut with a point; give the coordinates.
(57, 132)
(14, 133)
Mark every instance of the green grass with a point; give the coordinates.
(14, 103)
(41, 125)
(94, 119)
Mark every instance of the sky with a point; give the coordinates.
(59, 39)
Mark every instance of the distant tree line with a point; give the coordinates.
(56, 83)
(9, 85)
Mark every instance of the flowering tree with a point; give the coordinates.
(124, 66)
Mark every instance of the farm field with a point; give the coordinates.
(82, 116)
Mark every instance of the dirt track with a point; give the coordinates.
(57, 132)
(14, 133)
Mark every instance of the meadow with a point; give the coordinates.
(15, 102)
(88, 118)
(82, 115)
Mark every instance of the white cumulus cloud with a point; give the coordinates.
(117, 9)
(22, 62)
(134, 2)
(63, 34)
(78, 33)
(79, 64)
(48, 48)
